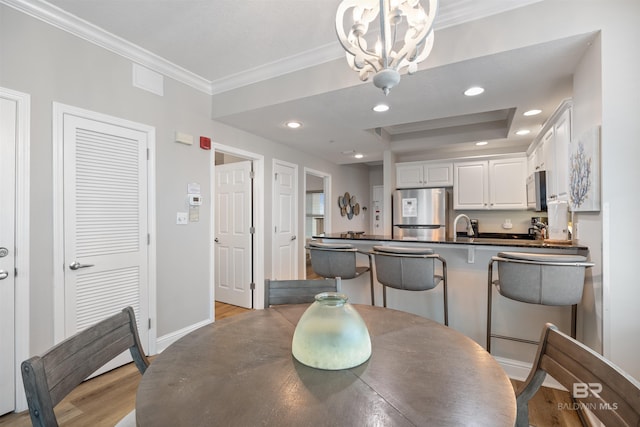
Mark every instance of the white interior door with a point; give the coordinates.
(8, 133)
(233, 234)
(106, 234)
(285, 218)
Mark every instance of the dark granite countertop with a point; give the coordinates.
(516, 243)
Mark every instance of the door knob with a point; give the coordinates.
(216, 240)
(75, 265)
(4, 252)
(293, 237)
(3, 274)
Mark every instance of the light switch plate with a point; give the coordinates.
(182, 218)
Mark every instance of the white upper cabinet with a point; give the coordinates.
(561, 140)
(490, 184)
(424, 174)
(471, 185)
(551, 151)
(508, 183)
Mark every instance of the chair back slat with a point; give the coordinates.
(52, 376)
(594, 382)
(296, 291)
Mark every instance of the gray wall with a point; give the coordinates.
(351, 178)
(54, 66)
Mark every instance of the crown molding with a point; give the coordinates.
(320, 55)
(462, 11)
(65, 21)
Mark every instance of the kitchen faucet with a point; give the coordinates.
(470, 232)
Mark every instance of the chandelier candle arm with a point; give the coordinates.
(391, 54)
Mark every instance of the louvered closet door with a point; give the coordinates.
(105, 226)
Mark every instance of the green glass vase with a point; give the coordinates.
(331, 334)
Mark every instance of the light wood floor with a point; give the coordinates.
(103, 400)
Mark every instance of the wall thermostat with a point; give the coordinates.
(195, 200)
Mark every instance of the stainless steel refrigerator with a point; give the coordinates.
(420, 214)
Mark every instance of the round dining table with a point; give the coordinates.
(240, 372)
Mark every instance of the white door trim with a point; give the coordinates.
(22, 217)
(59, 110)
(258, 222)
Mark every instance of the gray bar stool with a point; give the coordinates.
(410, 269)
(544, 279)
(338, 261)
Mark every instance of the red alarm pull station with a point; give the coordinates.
(205, 143)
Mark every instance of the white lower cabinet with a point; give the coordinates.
(490, 184)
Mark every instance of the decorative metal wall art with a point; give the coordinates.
(348, 205)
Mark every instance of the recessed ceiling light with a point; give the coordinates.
(381, 108)
(473, 91)
(523, 132)
(532, 112)
(481, 143)
(294, 125)
(358, 155)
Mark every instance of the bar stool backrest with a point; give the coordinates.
(410, 269)
(545, 279)
(333, 260)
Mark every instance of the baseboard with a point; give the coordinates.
(519, 370)
(166, 340)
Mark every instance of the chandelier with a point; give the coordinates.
(404, 37)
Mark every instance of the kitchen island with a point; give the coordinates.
(467, 266)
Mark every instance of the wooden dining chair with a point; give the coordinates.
(594, 382)
(49, 378)
(296, 291)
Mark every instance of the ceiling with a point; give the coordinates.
(235, 44)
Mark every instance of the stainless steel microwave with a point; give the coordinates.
(537, 191)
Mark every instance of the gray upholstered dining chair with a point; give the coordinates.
(410, 269)
(49, 378)
(594, 382)
(537, 278)
(339, 261)
(278, 292)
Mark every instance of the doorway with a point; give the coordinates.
(14, 246)
(317, 221)
(237, 271)
(285, 221)
(233, 232)
(103, 222)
